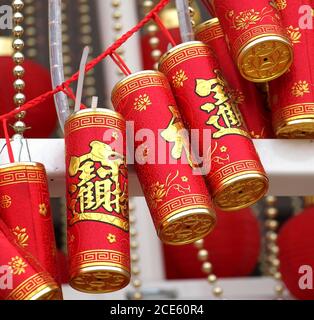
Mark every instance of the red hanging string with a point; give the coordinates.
(42, 98)
(120, 63)
(164, 30)
(68, 91)
(7, 140)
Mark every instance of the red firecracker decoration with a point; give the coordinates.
(97, 201)
(243, 92)
(257, 40)
(236, 178)
(178, 200)
(42, 119)
(296, 247)
(22, 277)
(233, 247)
(25, 208)
(292, 96)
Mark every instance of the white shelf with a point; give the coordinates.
(288, 163)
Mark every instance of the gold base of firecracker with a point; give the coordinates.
(36, 288)
(265, 58)
(241, 191)
(296, 129)
(187, 226)
(100, 279)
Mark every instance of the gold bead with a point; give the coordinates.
(152, 29)
(19, 99)
(134, 257)
(18, 31)
(199, 244)
(155, 66)
(271, 224)
(18, 44)
(117, 26)
(277, 275)
(30, 20)
(271, 236)
(191, 12)
(132, 219)
(217, 291)
(18, 71)
(17, 5)
(147, 6)
(18, 57)
(18, 18)
(133, 244)
(274, 249)
(136, 270)
(85, 19)
(86, 29)
(212, 278)
(115, 3)
(31, 42)
(156, 54)
(116, 15)
(275, 262)
(86, 39)
(207, 267)
(271, 213)
(271, 200)
(279, 288)
(137, 295)
(31, 52)
(137, 283)
(19, 85)
(202, 255)
(133, 232)
(154, 42)
(19, 127)
(83, 8)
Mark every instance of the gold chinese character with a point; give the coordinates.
(174, 133)
(227, 119)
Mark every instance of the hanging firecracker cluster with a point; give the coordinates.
(194, 88)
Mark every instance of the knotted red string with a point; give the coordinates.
(120, 63)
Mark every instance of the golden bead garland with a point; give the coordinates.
(18, 70)
(271, 247)
(207, 268)
(192, 13)
(135, 279)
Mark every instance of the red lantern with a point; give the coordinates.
(233, 248)
(296, 247)
(42, 119)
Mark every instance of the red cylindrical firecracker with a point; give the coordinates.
(243, 92)
(237, 178)
(97, 201)
(257, 40)
(25, 208)
(178, 200)
(292, 96)
(22, 277)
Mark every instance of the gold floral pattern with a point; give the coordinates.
(179, 78)
(223, 149)
(237, 96)
(278, 4)
(294, 34)
(185, 179)
(142, 102)
(244, 19)
(300, 88)
(221, 157)
(21, 236)
(111, 238)
(5, 201)
(17, 265)
(43, 209)
(158, 191)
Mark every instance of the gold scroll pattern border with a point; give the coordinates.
(183, 54)
(182, 203)
(218, 178)
(31, 286)
(211, 33)
(254, 33)
(91, 258)
(94, 121)
(144, 80)
(293, 112)
(22, 174)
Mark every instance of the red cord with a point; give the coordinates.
(164, 29)
(7, 140)
(42, 98)
(120, 63)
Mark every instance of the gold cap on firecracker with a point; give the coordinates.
(308, 201)
(265, 58)
(206, 25)
(297, 128)
(241, 191)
